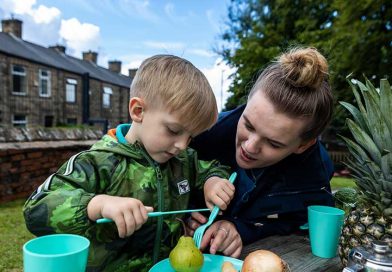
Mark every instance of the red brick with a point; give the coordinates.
(5, 167)
(14, 170)
(34, 155)
(18, 157)
(26, 162)
(15, 151)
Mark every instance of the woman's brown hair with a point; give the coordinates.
(297, 84)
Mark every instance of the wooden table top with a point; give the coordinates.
(295, 250)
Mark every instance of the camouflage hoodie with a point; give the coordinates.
(117, 168)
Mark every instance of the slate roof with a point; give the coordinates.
(11, 45)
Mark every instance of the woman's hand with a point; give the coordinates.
(221, 236)
(194, 222)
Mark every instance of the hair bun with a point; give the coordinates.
(304, 67)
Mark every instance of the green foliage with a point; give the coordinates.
(13, 234)
(342, 182)
(260, 30)
(355, 38)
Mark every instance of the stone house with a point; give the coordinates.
(45, 87)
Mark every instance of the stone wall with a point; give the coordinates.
(29, 156)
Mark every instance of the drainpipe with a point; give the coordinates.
(85, 98)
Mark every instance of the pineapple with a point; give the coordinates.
(371, 167)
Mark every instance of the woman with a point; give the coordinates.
(271, 142)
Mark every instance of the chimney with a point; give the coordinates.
(115, 66)
(91, 56)
(12, 26)
(59, 48)
(132, 73)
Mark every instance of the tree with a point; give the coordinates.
(355, 38)
(361, 44)
(258, 30)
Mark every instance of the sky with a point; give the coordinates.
(130, 31)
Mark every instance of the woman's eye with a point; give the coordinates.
(248, 127)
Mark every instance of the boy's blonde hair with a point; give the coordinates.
(175, 83)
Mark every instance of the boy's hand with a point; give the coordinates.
(218, 191)
(129, 214)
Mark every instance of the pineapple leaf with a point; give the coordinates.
(358, 117)
(356, 150)
(361, 86)
(378, 128)
(387, 186)
(386, 102)
(357, 96)
(375, 171)
(372, 91)
(386, 167)
(362, 178)
(364, 140)
(386, 195)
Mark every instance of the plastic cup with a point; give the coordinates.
(325, 225)
(56, 253)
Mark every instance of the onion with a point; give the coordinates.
(228, 267)
(262, 261)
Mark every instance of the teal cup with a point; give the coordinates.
(56, 253)
(325, 225)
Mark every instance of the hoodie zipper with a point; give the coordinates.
(159, 176)
(297, 192)
(157, 242)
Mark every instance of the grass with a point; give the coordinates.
(13, 234)
(340, 182)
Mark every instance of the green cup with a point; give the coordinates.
(325, 225)
(56, 253)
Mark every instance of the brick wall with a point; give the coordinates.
(29, 156)
(25, 166)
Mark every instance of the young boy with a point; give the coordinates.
(136, 169)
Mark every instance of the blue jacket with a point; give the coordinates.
(272, 200)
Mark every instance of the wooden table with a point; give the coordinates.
(295, 250)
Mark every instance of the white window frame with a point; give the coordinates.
(107, 92)
(47, 79)
(19, 123)
(23, 78)
(74, 83)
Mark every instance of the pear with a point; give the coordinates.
(185, 256)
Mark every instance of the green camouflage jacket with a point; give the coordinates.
(110, 167)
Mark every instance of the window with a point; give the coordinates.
(19, 120)
(19, 81)
(44, 83)
(72, 121)
(70, 90)
(107, 92)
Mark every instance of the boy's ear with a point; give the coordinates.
(136, 108)
(305, 146)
